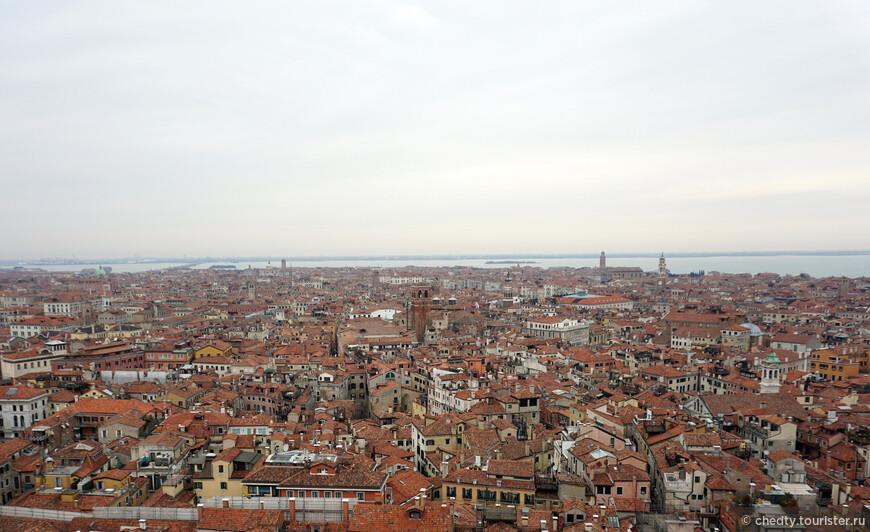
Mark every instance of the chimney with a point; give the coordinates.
(421, 497)
(291, 509)
(143, 524)
(226, 503)
(444, 469)
(588, 527)
(543, 525)
(345, 510)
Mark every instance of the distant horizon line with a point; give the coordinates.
(444, 256)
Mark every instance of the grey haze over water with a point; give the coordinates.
(856, 265)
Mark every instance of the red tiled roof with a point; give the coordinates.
(240, 520)
(393, 518)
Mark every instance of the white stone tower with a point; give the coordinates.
(770, 372)
(663, 269)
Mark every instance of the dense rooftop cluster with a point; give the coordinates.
(497, 399)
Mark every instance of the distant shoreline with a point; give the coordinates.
(507, 259)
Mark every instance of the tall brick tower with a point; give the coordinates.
(252, 290)
(842, 288)
(420, 309)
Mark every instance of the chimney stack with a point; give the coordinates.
(421, 497)
(143, 524)
(226, 503)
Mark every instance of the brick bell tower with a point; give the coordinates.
(420, 309)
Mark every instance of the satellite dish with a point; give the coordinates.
(286, 447)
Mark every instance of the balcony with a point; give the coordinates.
(500, 513)
(744, 454)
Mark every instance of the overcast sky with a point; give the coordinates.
(365, 128)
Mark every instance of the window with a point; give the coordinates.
(337, 494)
(451, 491)
(619, 490)
(223, 485)
(466, 493)
(509, 497)
(360, 496)
(220, 469)
(315, 494)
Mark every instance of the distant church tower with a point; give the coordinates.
(663, 269)
(252, 290)
(507, 291)
(770, 371)
(420, 310)
(842, 288)
(602, 262)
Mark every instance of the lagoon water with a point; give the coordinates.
(815, 265)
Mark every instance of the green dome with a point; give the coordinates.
(771, 358)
